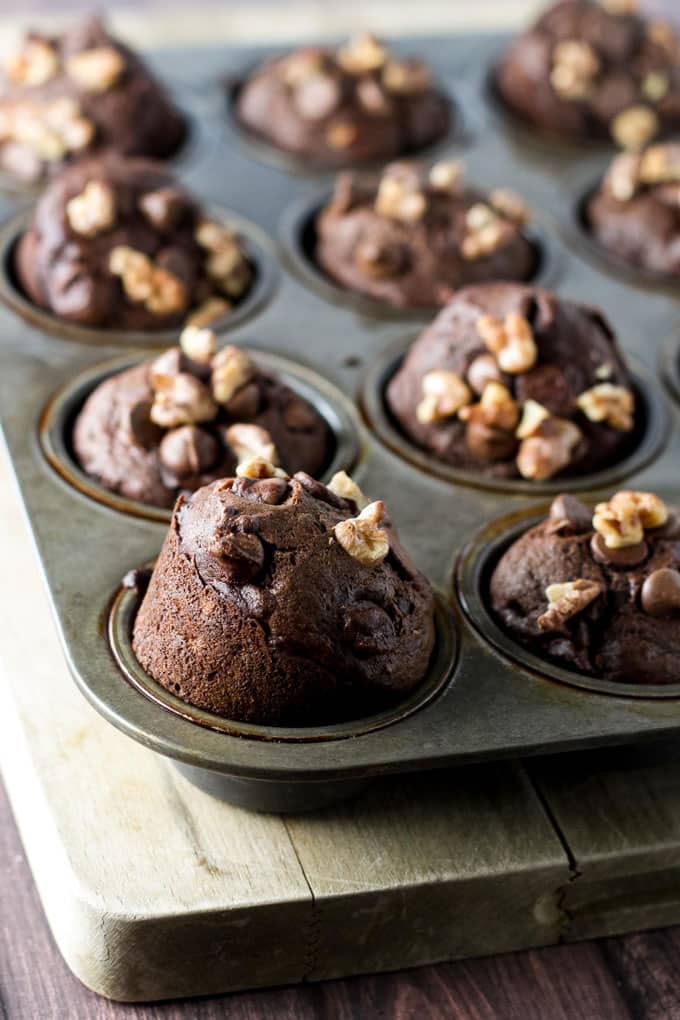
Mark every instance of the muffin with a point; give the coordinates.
(597, 593)
(412, 238)
(188, 417)
(351, 105)
(119, 244)
(635, 213)
(281, 601)
(80, 92)
(511, 381)
(592, 70)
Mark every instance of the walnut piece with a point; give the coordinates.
(251, 442)
(509, 204)
(660, 164)
(342, 485)
(225, 263)
(399, 198)
(566, 600)
(232, 368)
(362, 537)
(208, 312)
(633, 128)
(180, 399)
(362, 54)
(198, 344)
(496, 408)
(623, 176)
(93, 211)
(510, 340)
(548, 450)
(444, 393)
(148, 284)
(608, 403)
(51, 130)
(96, 70)
(485, 232)
(259, 467)
(34, 64)
(533, 416)
(575, 68)
(447, 175)
(340, 134)
(622, 521)
(406, 77)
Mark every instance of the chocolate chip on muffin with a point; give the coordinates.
(335, 107)
(189, 416)
(80, 92)
(598, 593)
(414, 237)
(281, 601)
(635, 213)
(513, 381)
(118, 243)
(590, 69)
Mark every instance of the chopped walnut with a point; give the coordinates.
(608, 403)
(93, 211)
(660, 164)
(655, 86)
(181, 399)
(622, 521)
(575, 68)
(533, 416)
(207, 313)
(362, 54)
(444, 393)
(623, 176)
(496, 408)
(633, 128)
(548, 450)
(96, 70)
(33, 65)
(662, 34)
(232, 368)
(225, 262)
(301, 65)
(566, 600)
(259, 467)
(342, 485)
(399, 198)
(509, 204)
(198, 344)
(341, 134)
(485, 232)
(406, 77)
(620, 8)
(143, 282)
(447, 175)
(251, 442)
(362, 537)
(511, 341)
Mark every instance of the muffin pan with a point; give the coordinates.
(482, 700)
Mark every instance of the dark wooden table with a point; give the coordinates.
(630, 978)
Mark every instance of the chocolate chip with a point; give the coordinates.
(317, 97)
(320, 491)
(381, 259)
(661, 592)
(484, 369)
(489, 444)
(188, 450)
(164, 209)
(624, 556)
(146, 433)
(264, 490)
(245, 403)
(569, 514)
(241, 555)
(368, 630)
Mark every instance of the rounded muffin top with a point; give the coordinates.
(189, 416)
(118, 243)
(355, 104)
(283, 601)
(635, 213)
(77, 92)
(595, 69)
(413, 238)
(598, 592)
(513, 381)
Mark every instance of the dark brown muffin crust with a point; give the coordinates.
(615, 610)
(590, 69)
(511, 380)
(635, 213)
(118, 243)
(119, 442)
(412, 239)
(80, 92)
(352, 105)
(257, 612)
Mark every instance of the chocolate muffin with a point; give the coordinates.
(591, 69)
(412, 239)
(513, 381)
(635, 213)
(334, 107)
(118, 244)
(80, 92)
(188, 417)
(599, 593)
(281, 601)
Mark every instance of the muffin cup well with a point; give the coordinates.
(261, 149)
(58, 418)
(670, 365)
(297, 236)
(473, 572)
(651, 433)
(258, 250)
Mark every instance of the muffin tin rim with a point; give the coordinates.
(259, 249)
(476, 559)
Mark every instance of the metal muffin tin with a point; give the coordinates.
(483, 699)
